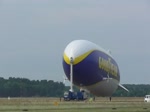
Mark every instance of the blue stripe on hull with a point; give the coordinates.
(87, 72)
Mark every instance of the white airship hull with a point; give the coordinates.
(93, 68)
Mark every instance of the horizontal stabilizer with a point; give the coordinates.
(121, 86)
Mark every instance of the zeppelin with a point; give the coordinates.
(93, 68)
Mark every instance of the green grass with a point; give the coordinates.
(54, 105)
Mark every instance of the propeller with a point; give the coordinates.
(107, 78)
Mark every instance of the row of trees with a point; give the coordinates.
(22, 87)
(138, 90)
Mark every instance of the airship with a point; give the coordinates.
(90, 67)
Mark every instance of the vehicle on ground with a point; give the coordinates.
(147, 98)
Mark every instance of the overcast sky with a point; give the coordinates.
(34, 34)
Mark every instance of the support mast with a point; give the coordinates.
(71, 74)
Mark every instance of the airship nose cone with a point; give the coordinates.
(78, 50)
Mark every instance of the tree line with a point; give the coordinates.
(135, 90)
(22, 87)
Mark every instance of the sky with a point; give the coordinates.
(34, 34)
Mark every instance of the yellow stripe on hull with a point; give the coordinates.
(77, 59)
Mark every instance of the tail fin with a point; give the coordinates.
(121, 86)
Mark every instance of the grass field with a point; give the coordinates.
(133, 104)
